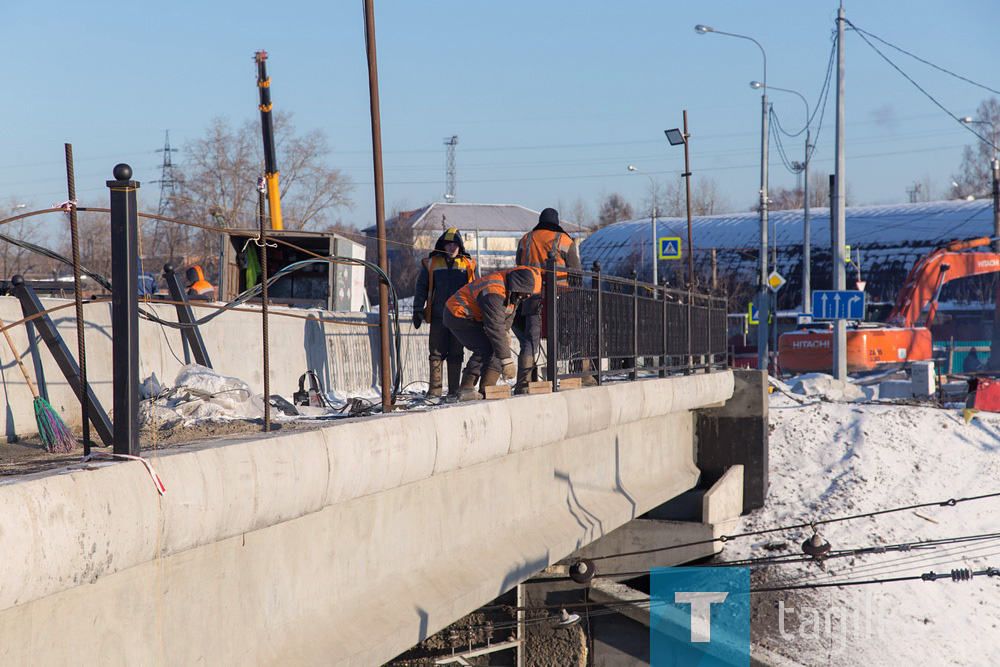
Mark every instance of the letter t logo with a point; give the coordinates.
(701, 611)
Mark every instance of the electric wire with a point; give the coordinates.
(926, 62)
(951, 502)
(240, 298)
(926, 94)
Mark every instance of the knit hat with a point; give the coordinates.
(549, 216)
(524, 280)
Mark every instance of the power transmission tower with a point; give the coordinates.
(451, 142)
(168, 239)
(167, 180)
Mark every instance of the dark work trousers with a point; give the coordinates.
(443, 344)
(528, 326)
(473, 337)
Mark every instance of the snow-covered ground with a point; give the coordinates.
(829, 459)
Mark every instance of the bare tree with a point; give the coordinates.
(220, 179)
(613, 209)
(974, 177)
(15, 259)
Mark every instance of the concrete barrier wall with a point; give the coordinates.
(344, 354)
(344, 545)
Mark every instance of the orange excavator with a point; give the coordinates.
(900, 338)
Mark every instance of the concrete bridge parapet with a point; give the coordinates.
(341, 545)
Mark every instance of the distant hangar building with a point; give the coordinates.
(890, 239)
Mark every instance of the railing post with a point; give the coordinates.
(596, 283)
(690, 342)
(125, 309)
(634, 375)
(550, 320)
(663, 338)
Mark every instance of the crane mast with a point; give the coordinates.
(267, 130)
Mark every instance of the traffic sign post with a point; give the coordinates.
(838, 305)
(670, 247)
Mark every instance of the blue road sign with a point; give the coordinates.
(670, 248)
(838, 305)
(754, 313)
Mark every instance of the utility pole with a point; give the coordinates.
(839, 222)
(450, 142)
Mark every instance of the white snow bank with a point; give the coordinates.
(831, 459)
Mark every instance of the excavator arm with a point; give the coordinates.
(927, 277)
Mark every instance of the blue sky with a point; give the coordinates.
(550, 100)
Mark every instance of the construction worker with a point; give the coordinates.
(447, 268)
(533, 250)
(480, 315)
(198, 287)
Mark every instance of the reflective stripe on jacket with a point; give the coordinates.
(533, 249)
(442, 281)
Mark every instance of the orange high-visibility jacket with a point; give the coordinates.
(466, 303)
(533, 250)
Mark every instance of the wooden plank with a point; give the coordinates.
(570, 383)
(541, 387)
(497, 391)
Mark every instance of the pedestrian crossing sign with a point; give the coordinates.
(670, 248)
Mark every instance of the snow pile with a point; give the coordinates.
(834, 459)
(821, 384)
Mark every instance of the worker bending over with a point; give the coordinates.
(533, 250)
(447, 268)
(480, 315)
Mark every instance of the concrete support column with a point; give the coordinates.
(737, 433)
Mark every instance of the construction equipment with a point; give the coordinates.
(900, 339)
(267, 129)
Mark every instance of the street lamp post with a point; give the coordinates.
(806, 241)
(652, 185)
(995, 168)
(764, 308)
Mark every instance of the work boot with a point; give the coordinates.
(467, 390)
(588, 380)
(437, 366)
(489, 379)
(454, 377)
(525, 373)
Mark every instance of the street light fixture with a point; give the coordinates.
(995, 168)
(764, 307)
(806, 241)
(652, 186)
(676, 137)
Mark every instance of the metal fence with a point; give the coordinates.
(601, 327)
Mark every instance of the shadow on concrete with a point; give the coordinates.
(618, 477)
(422, 614)
(317, 358)
(524, 571)
(588, 520)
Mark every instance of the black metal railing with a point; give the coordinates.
(603, 327)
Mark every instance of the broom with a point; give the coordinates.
(56, 436)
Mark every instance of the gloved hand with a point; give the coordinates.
(508, 369)
(418, 319)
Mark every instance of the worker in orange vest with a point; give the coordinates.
(198, 287)
(533, 250)
(480, 315)
(446, 269)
